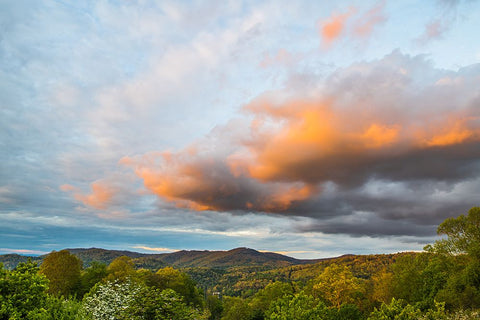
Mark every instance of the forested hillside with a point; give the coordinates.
(239, 257)
(443, 282)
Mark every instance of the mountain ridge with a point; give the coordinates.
(240, 256)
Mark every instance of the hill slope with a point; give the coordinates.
(239, 257)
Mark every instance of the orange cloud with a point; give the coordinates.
(352, 24)
(456, 134)
(372, 122)
(100, 197)
(202, 183)
(364, 26)
(67, 188)
(332, 28)
(377, 136)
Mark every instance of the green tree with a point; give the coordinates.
(298, 307)
(273, 291)
(215, 306)
(153, 304)
(92, 275)
(401, 310)
(462, 243)
(170, 278)
(236, 309)
(22, 291)
(396, 310)
(463, 235)
(57, 308)
(63, 271)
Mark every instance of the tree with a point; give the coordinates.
(401, 310)
(153, 304)
(22, 291)
(122, 268)
(462, 289)
(236, 309)
(273, 291)
(298, 307)
(170, 278)
(63, 271)
(337, 285)
(215, 306)
(110, 300)
(92, 275)
(382, 286)
(463, 235)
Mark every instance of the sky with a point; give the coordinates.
(308, 128)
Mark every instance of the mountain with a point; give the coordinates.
(103, 255)
(11, 260)
(239, 257)
(232, 258)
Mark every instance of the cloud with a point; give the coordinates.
(365, 25)
(332, 28)
(439, 26)
(155, 249)
(434, 30)
(109, 197)
(100, 197)
(393, 123)
(352, 24)
(22, 251)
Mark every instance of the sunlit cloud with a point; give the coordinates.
(352, 24)
(231, 125)
(155, 249)
(331, 29)
(365, 24)
(22, 251)
(293, 147)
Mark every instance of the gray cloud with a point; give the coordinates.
(396, 123)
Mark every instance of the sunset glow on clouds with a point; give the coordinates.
(342, 127)
(345, 136)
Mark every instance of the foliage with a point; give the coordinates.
(297, 307)
(215, 307)
(463, 235)
(57, 308)
(91, 276)
(170, 278)
(337, 285)
(22, 291)
(442, 283)
(237, 309)
(401, 310)
(155, 304)
(63, 270)
(273, 291)
(111, 299)
(120, 269)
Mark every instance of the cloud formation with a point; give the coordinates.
(395, 121)
(331, 29)
(352, 24)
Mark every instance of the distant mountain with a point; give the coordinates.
(232, 258)
(239, 257)
(11, 260)
(103, 255)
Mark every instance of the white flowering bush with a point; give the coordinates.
(465, 315)
(109, 301)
